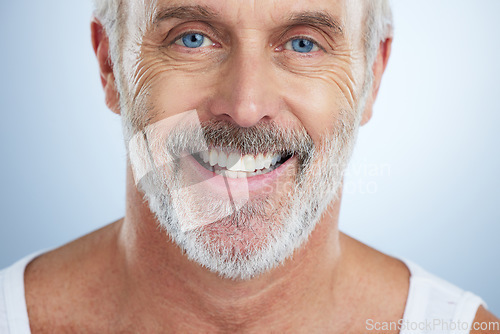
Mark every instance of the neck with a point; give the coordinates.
(164, 281)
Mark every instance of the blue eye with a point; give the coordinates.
(301, 45)
(193, 40)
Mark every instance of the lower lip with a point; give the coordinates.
(253, 184)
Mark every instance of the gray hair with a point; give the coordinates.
(379, 26)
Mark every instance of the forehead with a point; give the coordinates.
(251, 14)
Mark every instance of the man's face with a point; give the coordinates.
(241, 117)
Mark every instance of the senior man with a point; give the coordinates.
(239, 118)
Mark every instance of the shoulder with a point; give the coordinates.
(430, 299)
(67, 279)
(485, 322)
(376, 283)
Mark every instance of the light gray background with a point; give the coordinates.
(423, 183)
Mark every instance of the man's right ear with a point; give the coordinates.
(100, 43)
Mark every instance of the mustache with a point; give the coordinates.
(262, 138)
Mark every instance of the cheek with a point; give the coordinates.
(169, 92)
(164, 84)
(319, 101)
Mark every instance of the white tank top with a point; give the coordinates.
(433, 305)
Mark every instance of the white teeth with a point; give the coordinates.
(238, 175)
(240, 167)
(234, 162)
(267, 160)
(259, 161)
(275, 159)
(213, 157)
(204, 156)
(222, 162)
(248, 163)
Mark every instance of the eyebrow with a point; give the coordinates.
(201, 13)
(315, 18)
(195, 13)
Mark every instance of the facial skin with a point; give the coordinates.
(254, 70)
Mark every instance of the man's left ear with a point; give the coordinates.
(383, 54)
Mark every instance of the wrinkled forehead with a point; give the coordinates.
(144, 15)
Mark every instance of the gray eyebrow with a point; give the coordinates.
(194, 13)
(315, 18)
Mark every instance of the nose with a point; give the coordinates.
(246, 93)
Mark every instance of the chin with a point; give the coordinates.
(241, 244)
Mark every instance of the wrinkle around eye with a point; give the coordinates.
(347, 86)
(144, 77)
(338, 72)
(200, 58)
(154, 63)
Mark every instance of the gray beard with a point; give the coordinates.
(219, 236)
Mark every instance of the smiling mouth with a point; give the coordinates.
(234, 165)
